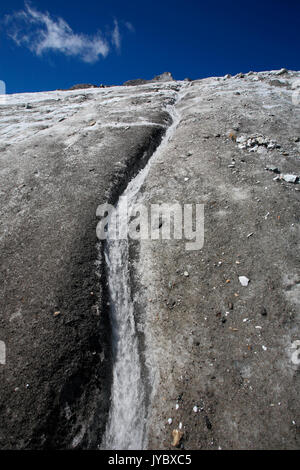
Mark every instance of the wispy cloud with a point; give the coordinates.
(42, 33)
(116, 37)
(129, 26)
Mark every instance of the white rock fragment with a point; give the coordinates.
(170, 421)
(176, 406)
(289, 178)
(195, 409)
(244, 281)
(180, 426)
(264, 348)
(186, 274)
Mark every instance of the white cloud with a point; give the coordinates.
(129, 26)
(116, 37)
(41, 33)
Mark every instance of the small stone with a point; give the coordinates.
(195, 409)
(186, 274)
(272, 168)
(290, 178)
(242, 139)
(170, 421)
(244, 281)
(177, 436)
(264, 348)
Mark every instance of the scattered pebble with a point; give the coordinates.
(244, 281)
(177, 436)
(290, 178)
(195, 409)
(170, 421)
(272, 168)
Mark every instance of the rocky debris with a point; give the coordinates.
(164, 77)
(288, 178)
(253, 143)
(135, 82)
(82, 86)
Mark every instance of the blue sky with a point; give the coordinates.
(47, 45)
